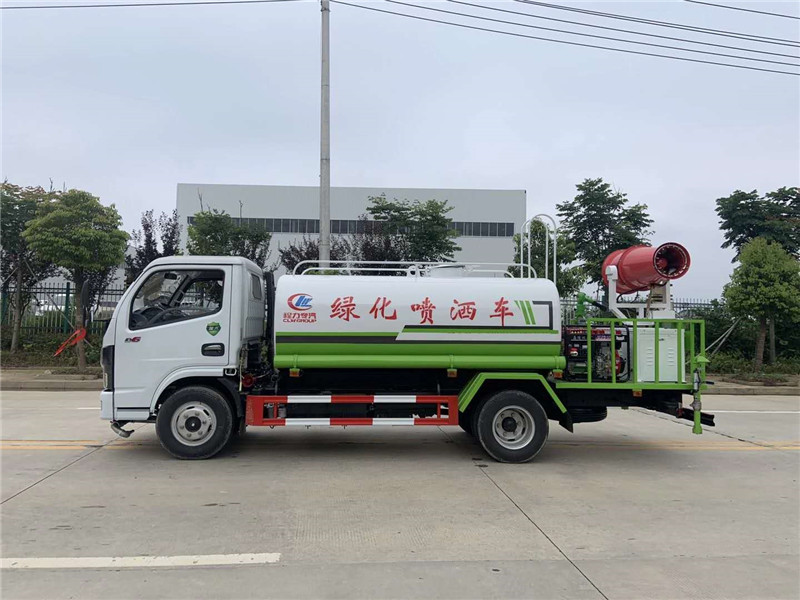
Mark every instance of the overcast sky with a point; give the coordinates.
(127, 102)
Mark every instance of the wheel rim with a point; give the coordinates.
(513, 427)
(193, 423)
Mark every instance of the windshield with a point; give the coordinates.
(168, 296)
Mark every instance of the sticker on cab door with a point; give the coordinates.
(213, 328)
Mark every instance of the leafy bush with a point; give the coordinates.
(37, 349)
(735, 363)
(741, 342)
(765, 378)
(718, 318)
(724, 362)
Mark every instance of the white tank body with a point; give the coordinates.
(352, 321)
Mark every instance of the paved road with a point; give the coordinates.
(633, 507)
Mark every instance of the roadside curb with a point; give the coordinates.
(761, 390)
(57, 386)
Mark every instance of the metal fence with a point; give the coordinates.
(686, 308)
(51, 309)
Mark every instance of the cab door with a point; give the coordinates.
(177, 318)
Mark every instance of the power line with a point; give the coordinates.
(591, 35)
(533, 37)
(630, 31)
(720, 32)
(141, 4)
(750, 10)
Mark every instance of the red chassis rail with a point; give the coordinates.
(264, 410)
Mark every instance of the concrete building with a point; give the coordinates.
(485, 220)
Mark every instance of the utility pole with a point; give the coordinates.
(325, 143)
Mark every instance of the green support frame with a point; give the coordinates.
(690, 348)
(474, 385)
(691, 353)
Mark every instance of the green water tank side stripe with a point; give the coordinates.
(412, 348)
(422, 361)
(525, 314)
(575, 385)
(527, 309)
(473, 330)
(479, 330)
(335, 333)
(472, 388)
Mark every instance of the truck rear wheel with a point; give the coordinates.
(512, 426)
(195, 422)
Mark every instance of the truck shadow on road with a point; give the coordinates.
(327, 446)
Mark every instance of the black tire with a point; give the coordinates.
(521, 425)
(239, 428)
(465, 421)
(194, 411)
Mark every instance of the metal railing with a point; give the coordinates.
(409, 268)
(51, 308)
(689, 308)
(525, 241)
(690, 344)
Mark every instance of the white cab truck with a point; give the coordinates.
(203, 346)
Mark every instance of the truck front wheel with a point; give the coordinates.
(512, 426)
(194, 423)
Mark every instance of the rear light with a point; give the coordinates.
(107, 362)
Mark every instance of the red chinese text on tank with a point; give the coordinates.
(463, 310)
(344, 308)
(425, 309)
(381, 309)
(501, 311)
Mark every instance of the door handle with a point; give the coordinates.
(213, 349)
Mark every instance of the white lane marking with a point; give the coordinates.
(124, 562)
(759, 412)
(88, 408)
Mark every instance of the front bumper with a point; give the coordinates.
(107, 406)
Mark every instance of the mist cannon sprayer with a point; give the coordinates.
(641, 267)
(645, 268)
(661, 348)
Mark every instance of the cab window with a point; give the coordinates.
(255, 287)
(176, 295)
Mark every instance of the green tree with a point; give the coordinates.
(765, 285)
(145, 241)
(307, 248)
(427, 229)
(214, 233)
(600, 220)
(774, 216)
(20, 267)
(718, 318)
(83, 237)
(379, 242)
(570, 278)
